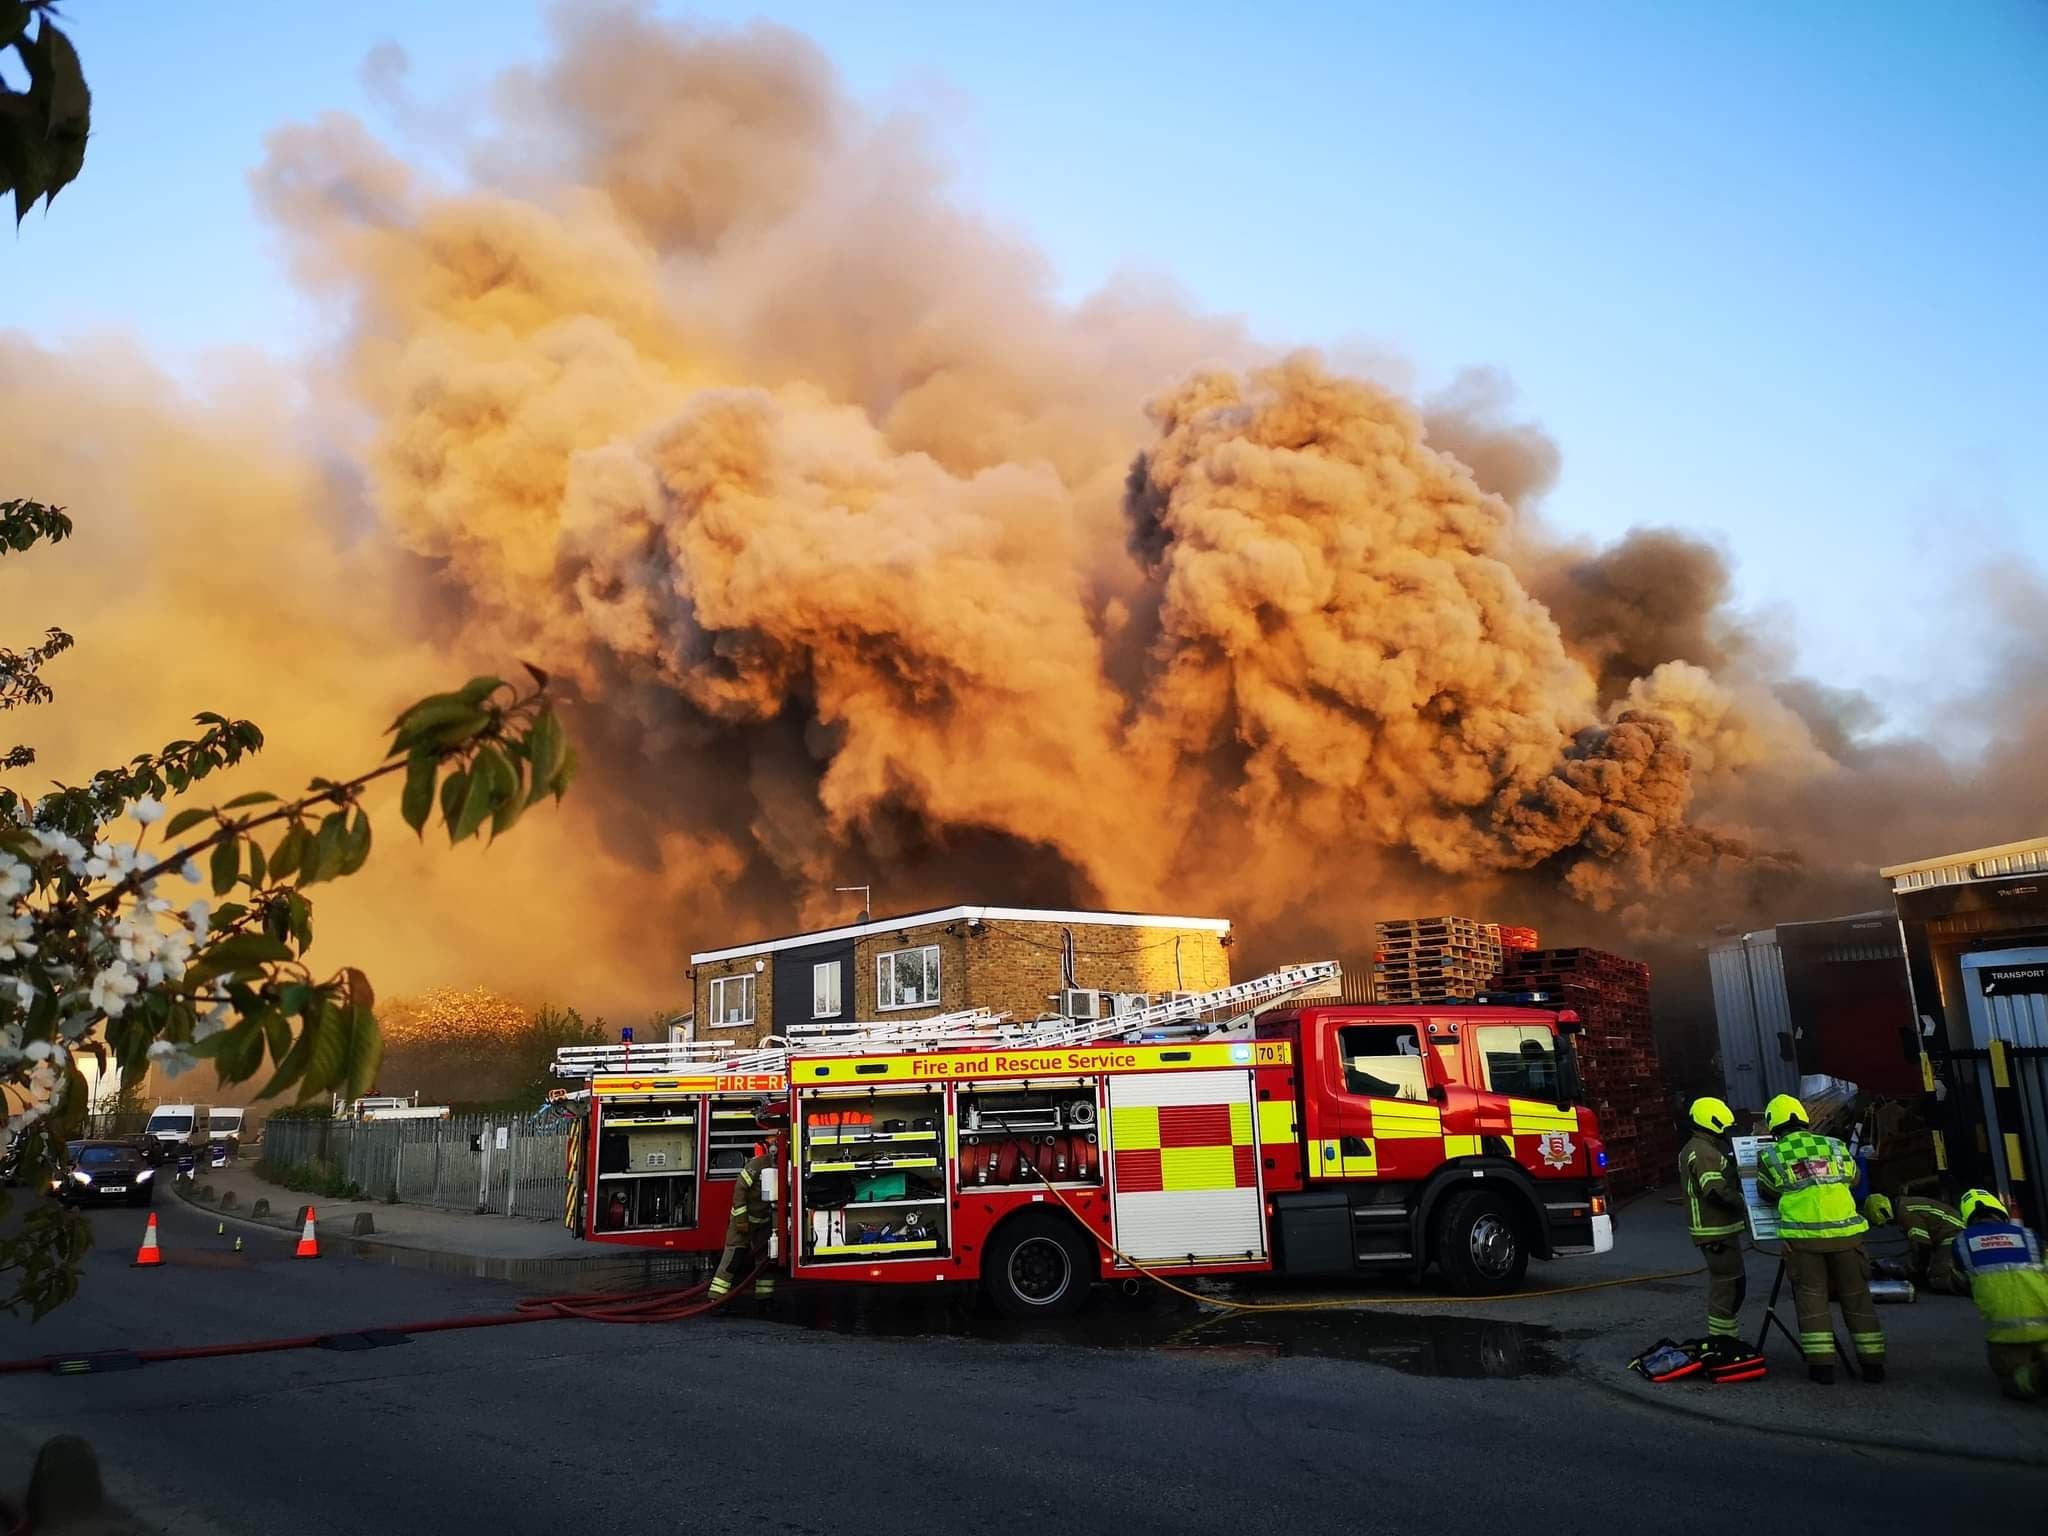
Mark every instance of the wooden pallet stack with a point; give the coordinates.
(1517, 938)
(1617, 1053)
(1429, 959)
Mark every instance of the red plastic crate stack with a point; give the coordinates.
(1517, 938)
(1617, 1053)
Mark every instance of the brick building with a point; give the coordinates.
(1013, 960)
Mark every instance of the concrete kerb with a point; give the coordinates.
(1686, 1404)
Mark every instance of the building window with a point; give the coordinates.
(907, 978)
(732, 1001)
(825, 990)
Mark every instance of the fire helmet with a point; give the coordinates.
(1877, 1210)
(1982, 1200)
(1711, 1115)
(1782, 1111)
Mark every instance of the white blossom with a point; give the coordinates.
(190, 870)
(112, 988)
(199, 914)
(15, 877)
(147, 809)
(111, 861)
(172, 1057)
(63, 844)
(16, 932)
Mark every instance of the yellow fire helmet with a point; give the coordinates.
(1983, 1200)
(1782, 1111)
(1711, 1115)
(1877, 1210)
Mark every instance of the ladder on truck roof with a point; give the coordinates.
(963, 1027)
(973, 1026)
(1237, 1002)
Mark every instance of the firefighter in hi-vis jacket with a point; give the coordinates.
(1716, 1213)
(752, 1221)
(1809, 1177)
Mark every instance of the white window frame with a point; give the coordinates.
(836, 970)
(717, 1019)
(933, 974)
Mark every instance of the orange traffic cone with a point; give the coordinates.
(309, 1245)
(148, 1253)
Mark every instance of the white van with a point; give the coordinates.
(224, 1124)
(179, 1125)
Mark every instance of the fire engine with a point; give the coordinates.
(1233, 1132)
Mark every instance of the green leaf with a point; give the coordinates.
(571, 765)
(226, 864)
(185, 820)
(292, 1066)
(365, 1051)
(324, 858)
(254, 797)
(293, 996)
(255, 863)
(238, 953)
(513, 806)
(546, 748)
(360, 992)
(327, 1061)
(477, 689)
(284, 858)
(301, 911)
(14, 16)
(277, 1032)
(480, 795)
(417, 803)
(453, 788)
(539, 677)
(444, 721)
(356, 846)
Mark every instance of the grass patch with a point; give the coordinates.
(310, 1179)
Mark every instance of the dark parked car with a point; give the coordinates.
(99, 1171)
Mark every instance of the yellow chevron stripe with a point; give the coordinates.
(1461, 1146)
(1197, 1168)
(1531, 1117)
(1240, 1123)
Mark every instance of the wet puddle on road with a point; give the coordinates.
(1428, 1345)
(1416, 1346)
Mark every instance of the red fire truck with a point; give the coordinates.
(1318, 1138)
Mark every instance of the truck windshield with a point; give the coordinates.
(1520, 1059)
(1383, 1061)
(159, 1123)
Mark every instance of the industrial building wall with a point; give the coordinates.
(1759, 1054)
(1016, 967)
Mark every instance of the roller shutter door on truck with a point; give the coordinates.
(1185, 1167)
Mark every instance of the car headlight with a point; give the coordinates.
(79, 1176)
(146, 1173)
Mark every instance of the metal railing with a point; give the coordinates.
(502, 1165)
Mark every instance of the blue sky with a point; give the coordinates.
(1771, 273)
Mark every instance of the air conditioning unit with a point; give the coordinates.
(1082, 1003)
(1131, 1002)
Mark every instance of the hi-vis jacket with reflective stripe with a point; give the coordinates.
(1810, 1178)
(2008, 1280)
(1713, 1193)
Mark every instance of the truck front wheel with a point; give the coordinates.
(1038, 1266)
(1480, 1245)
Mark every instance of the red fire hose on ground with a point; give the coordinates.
(672, 1304)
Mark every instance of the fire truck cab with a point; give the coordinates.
(1323, 1139)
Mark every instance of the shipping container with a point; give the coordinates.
(1759, 1050)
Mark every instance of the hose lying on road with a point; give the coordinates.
(667, 1305)
(1350, 1304)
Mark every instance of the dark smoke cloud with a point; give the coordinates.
(868, 561)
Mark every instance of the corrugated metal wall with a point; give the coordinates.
(1754, 1017)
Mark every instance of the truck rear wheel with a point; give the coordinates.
(1480, 1245)
(1038, 1266)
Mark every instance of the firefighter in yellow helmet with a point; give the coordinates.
(747, 1230)
(1930, 1228)
(2009, 1282)
(1810, 1179)
(1715, 1212)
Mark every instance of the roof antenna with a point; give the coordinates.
(866, 915)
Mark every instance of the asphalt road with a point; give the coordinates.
(1130, 1423)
